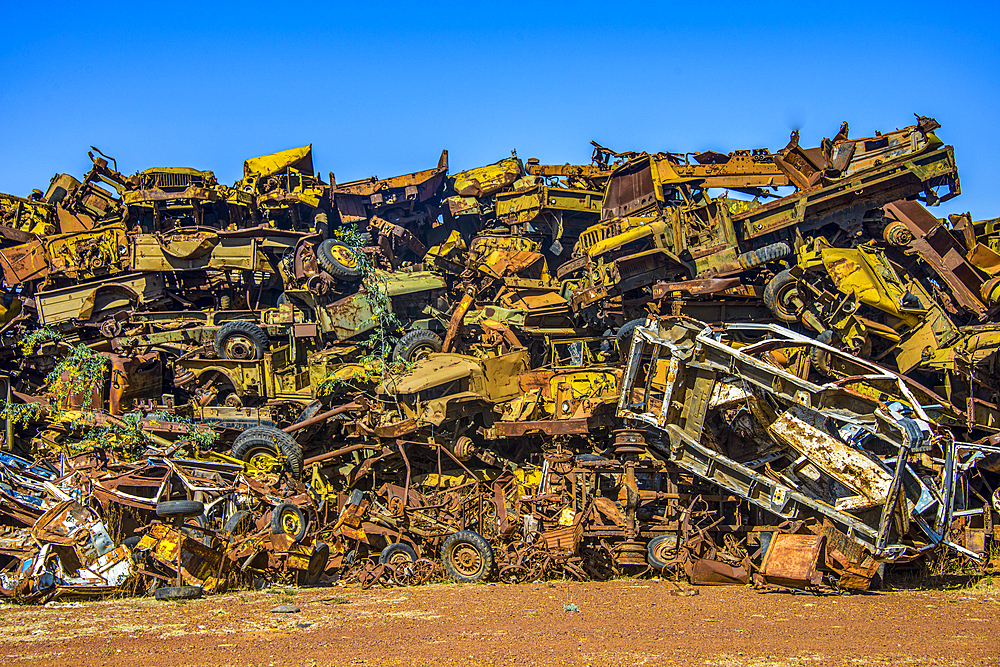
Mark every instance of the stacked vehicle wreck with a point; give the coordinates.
(769, 366)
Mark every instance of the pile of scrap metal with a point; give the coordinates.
(764, 366)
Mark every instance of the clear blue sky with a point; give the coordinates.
(381, 89)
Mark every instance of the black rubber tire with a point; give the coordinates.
(773, 296)
(656, 546)
(624, 336)
(317, 565)
(273, 439)
(329, 263)
(256, 335)
(769, 253)
(395, 549)
(240, 523)
(464, 539)
(178, 593)
(416, 341)
(184, 508)
(278, 528)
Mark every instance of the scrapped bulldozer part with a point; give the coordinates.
(286, 190)
(869, 306)
(90, 303)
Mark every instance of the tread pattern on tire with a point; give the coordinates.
(278, 529)
(178, 593)
(467, 537)
(317, 564)
(411, 340)
(774, 285)
(184, 508)
(327, 262)
(275, 438)
(248, 329)
(395, 547)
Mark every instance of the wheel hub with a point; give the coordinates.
(666, 550)
(263, 464)
(421, 352)
(467, 559)
(290, 523)
(240, 348)
(344, 256)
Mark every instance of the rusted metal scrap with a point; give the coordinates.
(655, 363)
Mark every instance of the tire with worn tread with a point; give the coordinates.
(259, 439)
(317, 565)
(250, 341)
(288, 519)
(184, 508)
(413, 345)
(776, 294)
(178, 593)
(397, 553)
(659, 550)
(467, 556)
(332, 256)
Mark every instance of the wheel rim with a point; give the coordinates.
(290, 522)
(788, 301)
(343, 256)
(665, 550)
(240, 348)
(399, 557)
(421, 352)
(467, 560)
(263, 462)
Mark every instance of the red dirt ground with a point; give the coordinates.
(624, 622)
